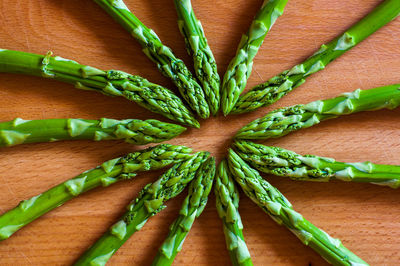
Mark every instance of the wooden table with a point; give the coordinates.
(365, 217)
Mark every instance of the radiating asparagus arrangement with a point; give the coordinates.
(106, 174)
(285, 120)
(111, 82)
(227, 203)
(239, 69)
(134, 131)
(196, 167)
(278, 86)
(280, 210)
(149, 202)
(192, 207)
(281, 162)
(197, 46)
(156, 51)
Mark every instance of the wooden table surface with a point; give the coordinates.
(365, 217)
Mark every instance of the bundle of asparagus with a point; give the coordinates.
(161, 55)
(112, 82)
(197, 46)
(149, 202)
(285, 120)
(192, 207)
(106, 174)
(270, 200)
(134, 131)
(281, 162)
(278, 86)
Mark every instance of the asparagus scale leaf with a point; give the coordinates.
(111, 82)
(135, 131)
(270, 200)
(285, 120)
(278, 86)
(227, 203)
(192, 207)
(239, 69)
(106, 174)
(197, 46)
(161, 55)
(149, 202)
(281, 162)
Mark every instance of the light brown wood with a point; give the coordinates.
(365, 217)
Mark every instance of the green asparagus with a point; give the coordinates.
(240, 67)
(281, 162)
(167, 63)
(149, 202)
(19, 131)
(285, 120)
(278, 86)
(280, 210)
(112, 82)
(196, 43)
(104, 175)
(227, 202)
(192, 207)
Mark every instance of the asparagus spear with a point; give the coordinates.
(108, 173)
(281, 162)
(149, 202)
(280, 210)
(161, 55)
(111, 82)
(240, 67)
(227, 202)
(285, 120)
(278, 86)
(196, 43)
(192, 207)
(19, 131)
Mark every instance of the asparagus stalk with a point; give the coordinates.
(281, 162)
(104, 175)
(227, 202)
(111, 82)
(240, 67)
(161, 55)
(280, 210)
(192, 207)
(196, 43)
(278, 86)
(149, 202)
(285, 120)
(19, 131)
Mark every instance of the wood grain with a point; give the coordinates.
(364, 216)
